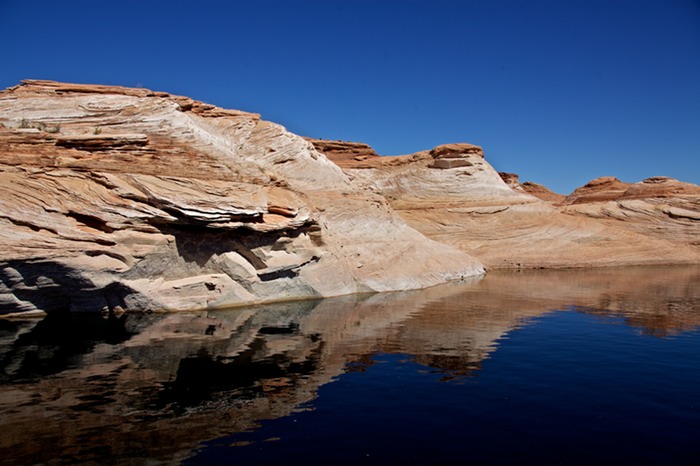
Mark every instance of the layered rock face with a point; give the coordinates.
(452, 195)
(117, 198)
(537, 190)
(126, 198)
(343, 151)
(659, 207)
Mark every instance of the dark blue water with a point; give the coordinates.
(568, 388)
(576, 367)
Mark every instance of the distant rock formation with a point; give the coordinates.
(606, 188)
(506, 224)
(116, 198)
(537, 190)
(343, 150)
(658, 207)
(454, 155)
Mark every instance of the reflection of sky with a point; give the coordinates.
(566, 388)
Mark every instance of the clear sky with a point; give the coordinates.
(558, 91)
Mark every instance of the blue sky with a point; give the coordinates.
(559, 92)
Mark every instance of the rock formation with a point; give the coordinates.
(659, 207)
(606, 188)
(116, 198)
(537, 190)
(452, 195)
(342, 151)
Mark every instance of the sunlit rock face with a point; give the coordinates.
(660, 207)
(534, 189)
(452, 195)
(115, 197)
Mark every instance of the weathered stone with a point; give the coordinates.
(93, 143)
(450, 156)
(456, 151)
(534, 189)
(448, 163)
(601, 189)
(506, 224)
(118, 198)
(340, 150)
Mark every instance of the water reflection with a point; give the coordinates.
(150, 388)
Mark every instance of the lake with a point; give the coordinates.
(533, 367)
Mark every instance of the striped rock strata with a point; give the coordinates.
(452, 195)
(119, 198)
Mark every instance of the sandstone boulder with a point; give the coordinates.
(454, 155)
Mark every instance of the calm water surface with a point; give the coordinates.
(567, 367)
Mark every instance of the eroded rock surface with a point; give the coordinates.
(116, 198)
(452, 195)
(119, 198)
(537, 190)
(660, 207)
(342, 151)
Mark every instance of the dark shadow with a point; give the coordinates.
(198, 244)
(200, 378)
(53, 287)
(58, 342)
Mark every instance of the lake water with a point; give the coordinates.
(540, 367)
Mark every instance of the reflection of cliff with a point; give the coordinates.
(661, 301)
(172, 381)
(457, 331)
(155, 386)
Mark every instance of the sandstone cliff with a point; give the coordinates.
(452, 195)
(115, 198)
(118, 198)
